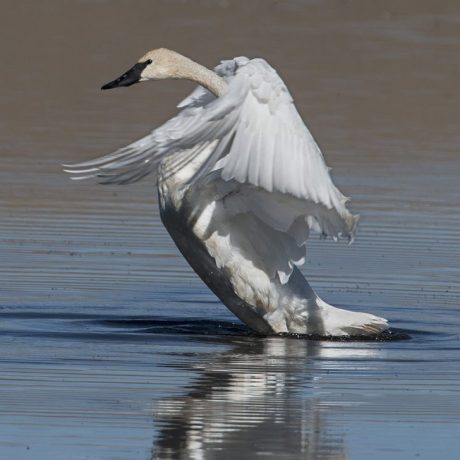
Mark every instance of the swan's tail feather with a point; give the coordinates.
(339, 322)
(370, 326)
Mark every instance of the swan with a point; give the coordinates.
(241, 183)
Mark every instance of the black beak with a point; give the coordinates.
(130, 77)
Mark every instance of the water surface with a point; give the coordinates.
(111, 348)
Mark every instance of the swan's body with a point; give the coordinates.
(241, 182)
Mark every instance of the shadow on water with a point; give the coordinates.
(69, 323)
(209, 327)
(191, 326)
(187, 326)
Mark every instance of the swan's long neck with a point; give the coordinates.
(191, 70)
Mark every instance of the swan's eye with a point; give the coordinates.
(149, 61)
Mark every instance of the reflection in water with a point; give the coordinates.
(246, 402)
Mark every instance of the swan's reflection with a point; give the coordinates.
(256, 400)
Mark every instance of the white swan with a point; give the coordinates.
(241, 182)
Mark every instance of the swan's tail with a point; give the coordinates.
(338, 322)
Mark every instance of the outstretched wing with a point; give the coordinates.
(187, 129)
(259, 142)
(272, 148)
(286, 186)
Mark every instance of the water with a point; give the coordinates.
(111, 348)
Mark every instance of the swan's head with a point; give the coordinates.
(157, 64)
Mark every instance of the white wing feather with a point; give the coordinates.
(261, 143)
(135, 161)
